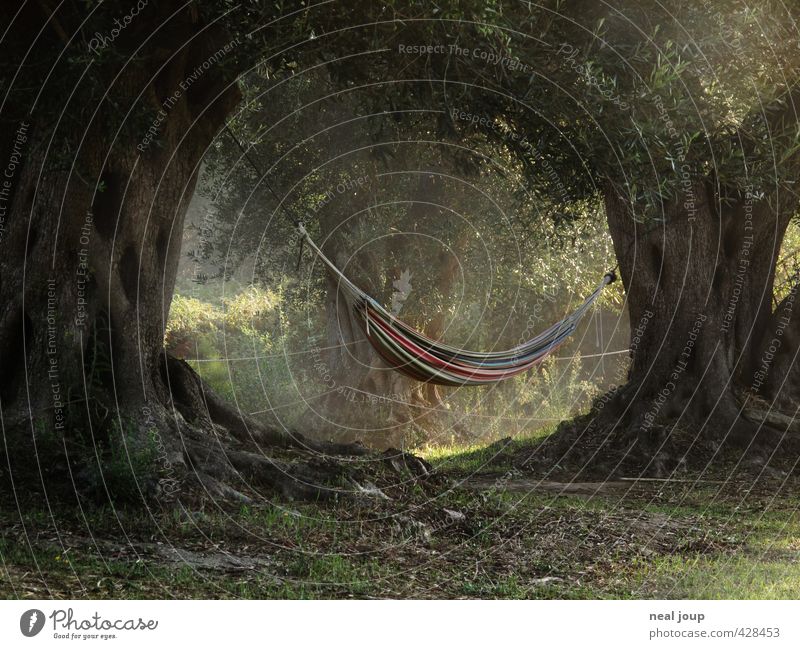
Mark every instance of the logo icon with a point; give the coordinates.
(31, 622)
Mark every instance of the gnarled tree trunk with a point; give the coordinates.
(698, 287)
(93, 218)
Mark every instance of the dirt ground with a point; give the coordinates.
(459, 534)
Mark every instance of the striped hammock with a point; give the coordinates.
(424, 359)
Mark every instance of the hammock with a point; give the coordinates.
(424, 359)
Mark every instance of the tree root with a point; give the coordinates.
(225, 452)
(201, 405)
(616, 439)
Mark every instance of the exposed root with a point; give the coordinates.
(232, 457)
(403, 462)
(776, 419)
(201, 405)
(295, 481)
(219, 491)
(617, 438)
(192, 445)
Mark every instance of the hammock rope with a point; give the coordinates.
(408, 351)
(422, 358)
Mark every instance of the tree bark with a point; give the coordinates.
(774, 372)
(367, 398)
(93, 218)
(698, 288)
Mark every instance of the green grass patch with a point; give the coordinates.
(473, 458)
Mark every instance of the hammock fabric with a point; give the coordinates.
(425, 359)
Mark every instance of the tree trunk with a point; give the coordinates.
(698, 288)
(773, 380)
(393, 405)
(90, 248)
(368, 399)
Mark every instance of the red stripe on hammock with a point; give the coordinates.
(459, 370)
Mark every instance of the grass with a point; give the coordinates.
(507, 540)
(736, 577)
(764, 565)
(478, 457)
